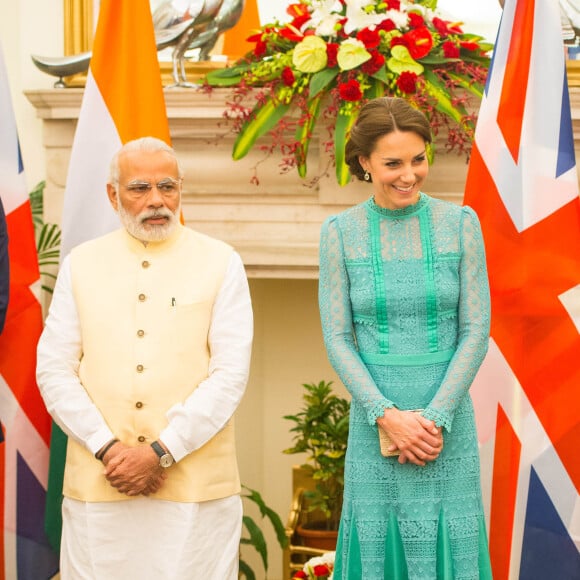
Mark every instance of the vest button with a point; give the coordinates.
(145, 264)
(142, 297)
(138, 404)
(139, 368)
(140, 333)
(141, 438)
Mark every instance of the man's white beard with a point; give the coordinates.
(149, 232)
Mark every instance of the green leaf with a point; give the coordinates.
(434, 59)
(263, 118)
(268, 513)
(48, 244)
(304, 133)
(321, 80)
(245, 571)
(256, 539)
(467, 83)
(224, 77)
(36, 197)
(442, 101)
(377, 88)
(382, 75)
(344, 123)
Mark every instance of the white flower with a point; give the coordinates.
(327, 559)
(427, 13)
(400, 19)
(357, 17)
(324, 17)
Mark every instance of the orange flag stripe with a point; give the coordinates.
(513, 97)
(133, 101)
(504, 491)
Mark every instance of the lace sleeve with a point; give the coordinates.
(474, 324)
(337, 328)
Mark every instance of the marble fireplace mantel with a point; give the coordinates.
(274, 225)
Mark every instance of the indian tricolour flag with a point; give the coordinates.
(123, 100)
(523, 184)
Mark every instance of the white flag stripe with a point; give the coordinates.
(13, 183)
(523, 185)
(21, 436)
(87, 216)
(571, 302)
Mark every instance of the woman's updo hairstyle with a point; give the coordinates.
(377, 118)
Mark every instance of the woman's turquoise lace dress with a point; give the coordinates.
(404, 302)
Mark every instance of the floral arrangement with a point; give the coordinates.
(333, 55)
(319, 568)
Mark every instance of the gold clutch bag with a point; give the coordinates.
(386, 442)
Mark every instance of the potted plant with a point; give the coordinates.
(321, 431)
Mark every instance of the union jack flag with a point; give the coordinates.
(523, 184)
(25, 424)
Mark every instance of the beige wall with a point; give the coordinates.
(288, 351)
(30, 27)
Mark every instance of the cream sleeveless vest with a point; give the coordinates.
(144, 314)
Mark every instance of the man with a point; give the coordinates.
(143, 360)
(4, 268)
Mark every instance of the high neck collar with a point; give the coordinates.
(403, 212)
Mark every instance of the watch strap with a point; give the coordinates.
(158, 449)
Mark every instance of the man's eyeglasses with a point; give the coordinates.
(165, 186)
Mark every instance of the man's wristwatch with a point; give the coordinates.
(165, 458)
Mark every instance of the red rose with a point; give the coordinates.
(371, 66)
(407, 82)
(387, 25)
(370, 38)
(288, 76)
(419, 42)
(321, 570)
(350, 91)
(393, 5)
(331, 52)
(415, 20)
(300, 574)
(450, 49)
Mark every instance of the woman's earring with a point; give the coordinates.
(367, 176)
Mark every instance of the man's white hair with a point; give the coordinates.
(142, 144)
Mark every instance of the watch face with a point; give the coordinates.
(166, 460)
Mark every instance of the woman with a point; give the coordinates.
(404, 302)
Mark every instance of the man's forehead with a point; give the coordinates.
(145, 163)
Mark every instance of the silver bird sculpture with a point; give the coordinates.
(193, 24)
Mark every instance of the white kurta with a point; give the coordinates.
(150, 534)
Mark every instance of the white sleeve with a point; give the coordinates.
(58, 358)
(206, 411)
